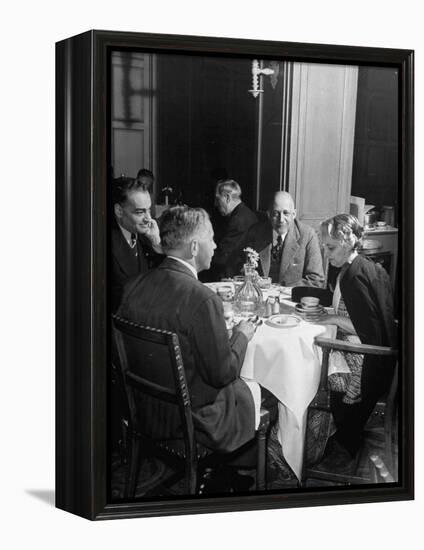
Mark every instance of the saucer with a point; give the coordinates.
(313, 310)
(283, 321)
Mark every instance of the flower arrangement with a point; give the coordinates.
(252, 257)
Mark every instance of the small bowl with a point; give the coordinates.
(225, 292)
(309, 301)
(265, 282)
(381, 224)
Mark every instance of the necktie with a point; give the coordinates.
(133, 243)
(277, 248)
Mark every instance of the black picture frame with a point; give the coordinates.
(81, 271)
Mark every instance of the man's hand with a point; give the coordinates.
(152, 233)
(248, 328)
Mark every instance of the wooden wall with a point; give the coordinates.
(206, 126)
(375, 172)
(192, 121)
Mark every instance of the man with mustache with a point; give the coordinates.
(289, 250)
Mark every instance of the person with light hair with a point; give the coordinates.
(363, 305)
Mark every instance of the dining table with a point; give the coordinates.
(285, 361)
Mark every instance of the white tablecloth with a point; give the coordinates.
(286, 362)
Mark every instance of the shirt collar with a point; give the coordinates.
(127, 234)
(190, 267)
(275, 236)
(352, 256)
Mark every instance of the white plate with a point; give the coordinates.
(283, 321)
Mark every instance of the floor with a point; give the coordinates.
(279, 475)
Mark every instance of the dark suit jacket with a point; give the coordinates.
(124, 266)
(301, 260)
(228, 258)
(171, 298)
(367, 293)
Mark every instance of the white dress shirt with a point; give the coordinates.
(191, 268)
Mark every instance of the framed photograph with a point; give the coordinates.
(234, 275)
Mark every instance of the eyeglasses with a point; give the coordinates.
(279, 214)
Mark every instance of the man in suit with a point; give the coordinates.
(135, 247)
(171, 298)
(228, 257)
(135, 241)
(289, 250)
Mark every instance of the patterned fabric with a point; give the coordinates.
(276, 253)
(277, 249)
(133, 244)
(347, 383)
(320, 427)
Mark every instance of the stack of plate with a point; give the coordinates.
(309, 313)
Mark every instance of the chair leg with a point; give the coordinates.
(132, 467)
(390, 438)
(261, 440)
(191, 476)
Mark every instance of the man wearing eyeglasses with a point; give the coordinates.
(289, 250)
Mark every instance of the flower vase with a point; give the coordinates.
(248, 299)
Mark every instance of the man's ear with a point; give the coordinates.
(294, 213)
(194, 248)
(228, 198)
(117, 208)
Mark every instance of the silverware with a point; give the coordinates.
(256, 320)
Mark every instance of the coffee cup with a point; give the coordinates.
(309, 302)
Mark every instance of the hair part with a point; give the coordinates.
(343, 227)
(181, 224)
(229, 186)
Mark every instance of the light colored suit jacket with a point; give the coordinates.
(301, 260)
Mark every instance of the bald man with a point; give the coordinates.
(289, 250)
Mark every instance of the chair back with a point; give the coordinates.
(155, 383)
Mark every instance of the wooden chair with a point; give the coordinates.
(380, 468)
(155, 386)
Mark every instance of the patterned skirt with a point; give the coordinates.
(347, 383)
